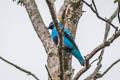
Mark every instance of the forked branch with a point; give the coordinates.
(97, 14)
(99, 65)
(98, 48)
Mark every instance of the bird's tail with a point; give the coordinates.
(78, 55)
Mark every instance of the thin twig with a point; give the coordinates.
(48, 72)
(93, 61)
(89, 5)
(119, 11)
(19, 68)
(93, 2)
(110, 67)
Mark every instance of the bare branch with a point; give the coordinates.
(107, 32)
(19, 68)
(119, 11)
(95, 51)
(61, 13)
(48, 72)
(99, 65)
(98, 48)
(39, 25)
(89, 5)
(93, 61)
(101, 75)
(93, 75)
(93, 2)
(53, 14)
(104, 44)
(84, 69)
(61, 34)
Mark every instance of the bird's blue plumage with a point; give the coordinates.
(69, 44)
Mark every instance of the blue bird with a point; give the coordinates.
(69, 43)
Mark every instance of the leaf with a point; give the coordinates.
(116, 1)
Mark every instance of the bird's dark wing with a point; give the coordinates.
(71, 39)
(67, 49)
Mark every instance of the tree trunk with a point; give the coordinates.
(70, 14)
(73, 12)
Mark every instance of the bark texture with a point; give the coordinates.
(70, 14)
(44, 35)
